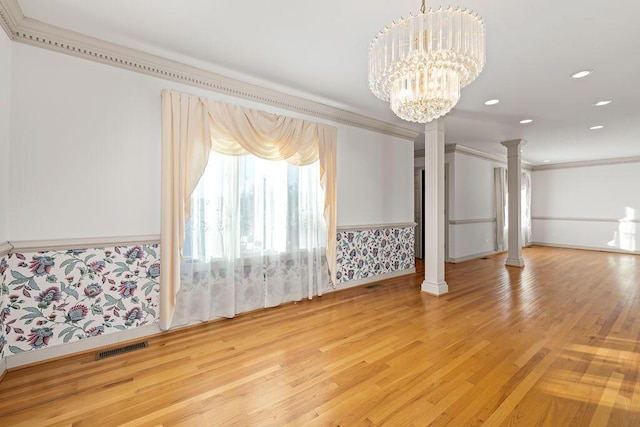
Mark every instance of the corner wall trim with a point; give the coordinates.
(5, 248)
(375, 226)
(40, 34)
(84, 243)
(372, 279)
(48, 353)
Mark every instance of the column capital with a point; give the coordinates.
(434, 125)
(514, 143)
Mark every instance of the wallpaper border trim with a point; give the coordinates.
(551, 218)
(375, 226)
(48, 354)
(40, 34)
(85, 243)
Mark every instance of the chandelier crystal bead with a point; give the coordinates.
(420, 63)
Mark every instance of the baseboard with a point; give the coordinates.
(3, 367)
(45, 354)
(586, 248)
(436, 289)
(372, 279)
(474, 256)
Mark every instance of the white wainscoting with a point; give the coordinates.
(471, 238)
(604, 234)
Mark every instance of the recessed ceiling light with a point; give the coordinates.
(601, 103)
(525, 121)
(491, 102)
(596, 127)
(581, 74)
(546, 161)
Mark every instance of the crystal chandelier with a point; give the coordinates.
(420, 63)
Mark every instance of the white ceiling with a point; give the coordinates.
(318, 50)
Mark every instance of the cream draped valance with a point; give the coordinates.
(191, 128)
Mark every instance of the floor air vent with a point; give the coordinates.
(121, 350)
(375, 285)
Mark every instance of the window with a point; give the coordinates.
(246, 206)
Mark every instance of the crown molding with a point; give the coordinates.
(457, 148)
(587, 163)
(10, 17)
(40, 34)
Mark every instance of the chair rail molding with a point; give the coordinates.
(84, 243)
(40, 34)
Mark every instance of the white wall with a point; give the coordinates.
(375, 178)
(5, 132)
(592, 207)
(472, 210)
(86, 153)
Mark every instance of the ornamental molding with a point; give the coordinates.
(10, 17)
(40, 34)
(587, 163)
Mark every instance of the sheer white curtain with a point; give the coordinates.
(500, 181)
(501, 206)
(191, 128)
(525, 201)
(256, 238)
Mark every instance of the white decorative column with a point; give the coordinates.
(434, 209)
(514, 177)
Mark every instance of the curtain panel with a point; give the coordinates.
(500, 182)
(191, 128)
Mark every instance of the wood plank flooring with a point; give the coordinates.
(556, 343)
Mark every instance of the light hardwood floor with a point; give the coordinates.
(556, 343)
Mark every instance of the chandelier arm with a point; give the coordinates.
(423, 9)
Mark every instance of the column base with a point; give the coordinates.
(436, 289)
(515, 262)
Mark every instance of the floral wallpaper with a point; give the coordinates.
(55, 297)
(366, 253)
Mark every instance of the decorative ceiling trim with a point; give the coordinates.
(40, 34)
(587, 163)
(10, 17)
